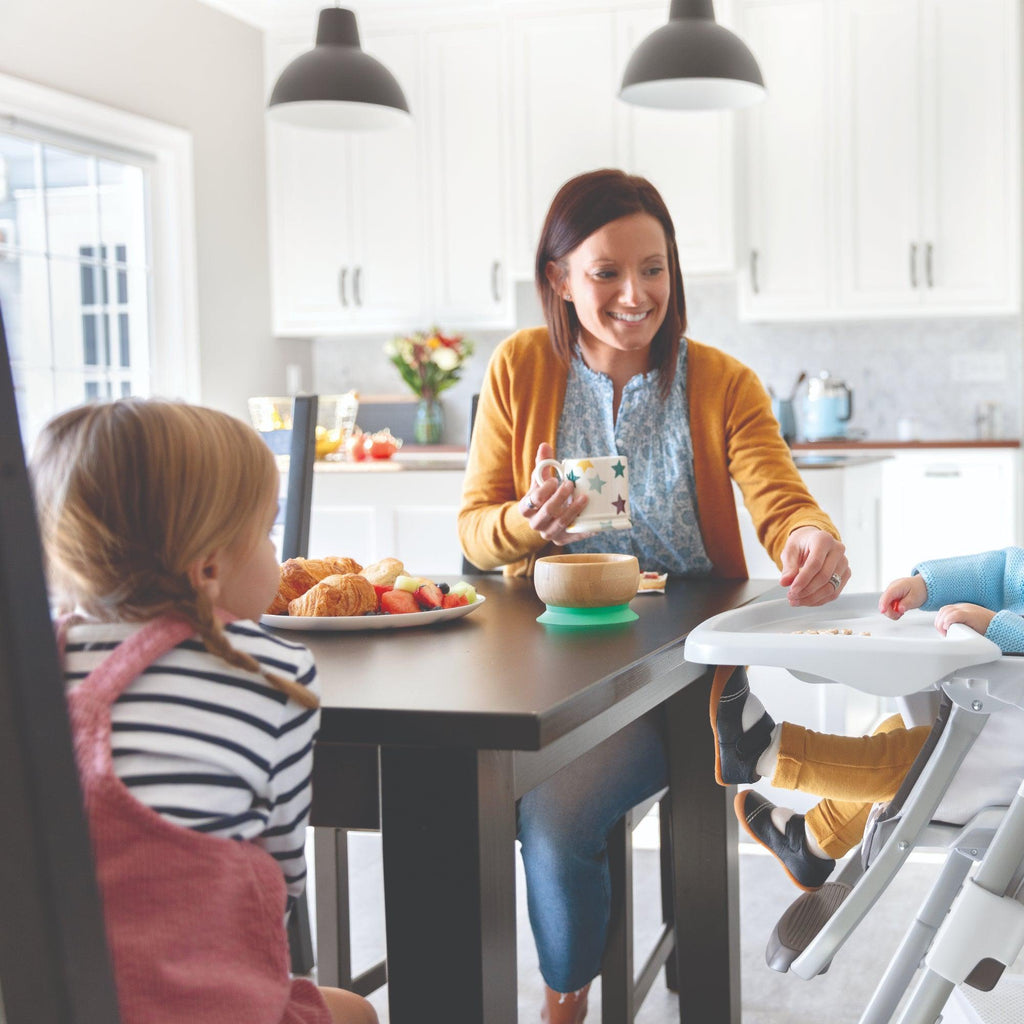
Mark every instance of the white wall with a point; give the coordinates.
(188, 65)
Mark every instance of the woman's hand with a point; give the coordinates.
(972, 615)
(814, 567)
(902, 595)
(551, 507)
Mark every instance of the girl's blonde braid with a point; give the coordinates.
(197, 611)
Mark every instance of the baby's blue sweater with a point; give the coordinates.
(992, 579)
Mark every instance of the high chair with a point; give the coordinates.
(968, 931)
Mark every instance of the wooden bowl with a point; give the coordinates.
(586, 581)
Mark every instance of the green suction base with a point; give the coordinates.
(583, 618)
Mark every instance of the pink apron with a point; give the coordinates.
(195, 923)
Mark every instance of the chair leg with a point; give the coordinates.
(617, 963)
(300, 937)
(667, 900)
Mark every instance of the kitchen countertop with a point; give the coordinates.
(869, 444)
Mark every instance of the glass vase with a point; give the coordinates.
(428, 425)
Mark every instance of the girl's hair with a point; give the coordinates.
(582, 206)
(131, 493)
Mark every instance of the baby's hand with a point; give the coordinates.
(972, 615)
(901, 595)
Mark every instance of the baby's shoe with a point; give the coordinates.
(737, 747)
(790, 847)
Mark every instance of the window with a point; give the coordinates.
(96, 261)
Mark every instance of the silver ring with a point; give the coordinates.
(836, 580)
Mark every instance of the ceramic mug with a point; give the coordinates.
(605, 481)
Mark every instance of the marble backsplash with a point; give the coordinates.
(936, 372)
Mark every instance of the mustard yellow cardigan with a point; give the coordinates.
(734, 436)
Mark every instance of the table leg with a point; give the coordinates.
(448, 823)
(704, 837)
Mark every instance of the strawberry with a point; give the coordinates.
(454, 601)
(398, 602)
(380, 592)
(429, 596)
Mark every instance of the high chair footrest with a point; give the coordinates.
(798, 926)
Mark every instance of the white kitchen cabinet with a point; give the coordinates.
(385, 512)
(347, 222)
(928, 115)
(945, 502)
(787, 264)
(687, 155)
(882, 172)
(564, 115)
(468, 115)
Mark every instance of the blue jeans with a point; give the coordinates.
(563, 827)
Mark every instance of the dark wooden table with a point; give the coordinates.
(470, 714)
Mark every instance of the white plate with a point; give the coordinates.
(344, 623)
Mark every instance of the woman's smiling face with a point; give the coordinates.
(618, 279)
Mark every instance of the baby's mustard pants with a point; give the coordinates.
(851, 772)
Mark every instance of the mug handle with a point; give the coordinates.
(538, 479)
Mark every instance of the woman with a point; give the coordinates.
(614, 373)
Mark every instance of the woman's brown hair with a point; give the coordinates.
(131, 493)
(582, 206)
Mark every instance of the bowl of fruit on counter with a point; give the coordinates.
(338, 593)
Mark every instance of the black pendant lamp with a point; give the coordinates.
(692, 63)
(336, 85)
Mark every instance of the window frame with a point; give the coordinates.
(174, 339)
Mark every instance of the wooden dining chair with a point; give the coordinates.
(54, 963)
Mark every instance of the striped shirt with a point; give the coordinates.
(212, 747)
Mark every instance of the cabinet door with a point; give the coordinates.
(879, 153)
(938, 505)
(787, 262)
(970, 112)
(687, 155)
(466, 87)
(391, 194)
(563, 80)
(313, 237)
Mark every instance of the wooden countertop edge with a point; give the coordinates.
(858, 446)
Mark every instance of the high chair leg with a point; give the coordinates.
(917, 939)
(984, 927)
(956, 740)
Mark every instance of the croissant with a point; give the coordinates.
(385, 572)
(348, 594)
(299, 574)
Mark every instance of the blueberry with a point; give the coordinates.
(443, 587)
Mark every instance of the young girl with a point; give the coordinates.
(983, 591)
(193, 726)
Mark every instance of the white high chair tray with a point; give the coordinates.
(880, 656)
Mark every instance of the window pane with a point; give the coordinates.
(124, 340)
(22, 224)
(71, 200)
(90, 344)
(25, 298)
(122, 211)
(136, 312)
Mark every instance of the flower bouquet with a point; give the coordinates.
(429, 362)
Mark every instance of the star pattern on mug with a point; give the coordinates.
(620, 468)
(596, 483)
(619, 504)
(572, 477)
(584, 464)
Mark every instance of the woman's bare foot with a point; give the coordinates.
(564, 1007)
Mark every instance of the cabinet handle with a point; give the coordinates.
(944, 473)
(357, 275)
(495, 280)
(754, 286)
(913, 264)
(341, 286)
(928, 265)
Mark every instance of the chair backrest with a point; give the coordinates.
(468, 568)
(54, 963)
(299, 503)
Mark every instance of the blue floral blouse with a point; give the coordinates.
(654, 435)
